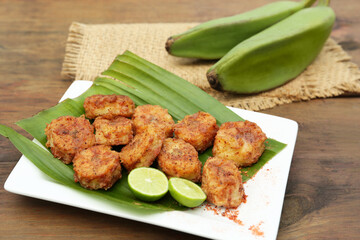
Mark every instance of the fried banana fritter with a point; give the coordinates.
(241, 142)
(108, 106)
(143, 149)
(178, 158)
(146, 115)
(222, 183)
(68, 135)
(198, 129)
(97, 167)
(116, 131)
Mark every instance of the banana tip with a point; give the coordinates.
(213, 80)
(168, 44)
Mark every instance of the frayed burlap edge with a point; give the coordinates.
(300, 92)
(72, 51)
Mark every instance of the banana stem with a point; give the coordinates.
(324, 3)
(307, 3)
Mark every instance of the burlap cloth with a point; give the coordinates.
(91, 49)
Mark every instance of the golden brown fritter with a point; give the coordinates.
(146, 115)
(241, 142)
(68, 135)
(108, 106)
(116, 131)
(178, 158)
(198, 129)
(222, 183)
(143, 149)
(97, 167)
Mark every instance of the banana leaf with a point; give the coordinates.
(145, 83)
(44, 160)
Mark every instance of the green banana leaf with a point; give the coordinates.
(145, 83)
(44, 160)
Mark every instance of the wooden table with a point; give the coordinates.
(322, 195)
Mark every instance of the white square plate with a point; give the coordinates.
(258, 218)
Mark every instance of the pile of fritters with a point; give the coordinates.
(147, 133)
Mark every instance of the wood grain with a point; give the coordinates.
(322, 195)
(323, 187)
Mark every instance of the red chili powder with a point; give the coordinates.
(215, 209)
(231, 214)
(244, 198)
(255, 230)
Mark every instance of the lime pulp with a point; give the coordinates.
(186, 192)
(148, 184)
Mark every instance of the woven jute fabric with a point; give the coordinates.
(90, 49)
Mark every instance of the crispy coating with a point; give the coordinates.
(222, 183)
(68, 135)
(198, 129)
(97, 167)
(143, 149)
(116, 131)
(241, 142)
(108, 106)
(146, 115)
(178, 158)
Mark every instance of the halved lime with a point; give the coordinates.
(186, 192)
(148, 184)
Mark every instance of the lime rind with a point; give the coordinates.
(148, 184)
(186, 192)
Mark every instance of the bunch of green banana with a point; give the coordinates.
(275, 55)
(213, 39)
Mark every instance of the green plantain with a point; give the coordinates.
(275, 55)
(213, 39)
